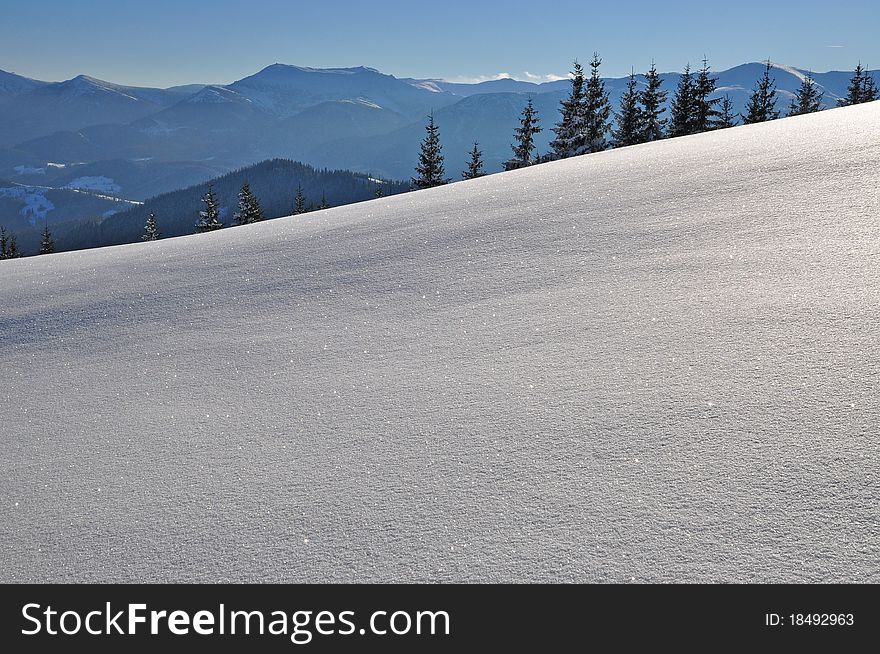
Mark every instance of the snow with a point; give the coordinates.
(95, 183)
(36, 204)
(654, 364)
(85, 85)
(29, 170)
(366, 102)
(427, 85)
(216, 95)
(791, 70)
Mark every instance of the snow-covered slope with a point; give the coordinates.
(653, 364)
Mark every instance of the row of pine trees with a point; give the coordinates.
(586, 124)
(9, 244)
(249, 211)
(585, 127)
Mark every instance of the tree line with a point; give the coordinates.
(9, 244)
(209, 220)
(585, 127)
(586, 124)
(249, 211)
(274, 188)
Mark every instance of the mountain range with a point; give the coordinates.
(132, 143)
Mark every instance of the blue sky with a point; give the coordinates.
(162, 42)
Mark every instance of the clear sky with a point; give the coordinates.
(165, 42)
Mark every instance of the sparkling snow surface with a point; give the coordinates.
(655, 364)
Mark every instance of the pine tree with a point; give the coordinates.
(8, 245)
(856, 87)
(299, 202)
(430, 171)
(808, 99)
(475, 164)
(726, 117)
(524, 135)
(249, 210)
(598, 108)
(324, 204)
(209, 217)
(705, 115)
(683, 105)
(151, 232)
(762, 104)
(571, 131)
(630, 123)
(870, 93)
(47, 245)
(653, 99)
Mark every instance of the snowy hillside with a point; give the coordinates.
(653, 364)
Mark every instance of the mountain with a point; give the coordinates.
(351, 118)
(12, 85)
(46, 108)
(317, 126)
(286, 90)
(280, 111)
(738, 82)
(274, 182)
(489, 119)
(487, 115)
(504, 85)
(185, 90)
(649, 364)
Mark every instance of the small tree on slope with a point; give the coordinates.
(630, 124)
(475, 164)
(683, 105)
(47, 245)
(8, 245)
(726, 117)
(571, 130)
(209, 217)
(598, 108)
(705, 115)
(524, 137)
(299, 202)
(151, 231)
(870, 93)
(807, 100)
(653, 99)
(856, 86)
(762, 104)
(430, 171)
(249, 209)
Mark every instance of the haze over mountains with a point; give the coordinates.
(132, 143)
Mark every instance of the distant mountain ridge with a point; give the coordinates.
(353, 118)
(31, 109)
